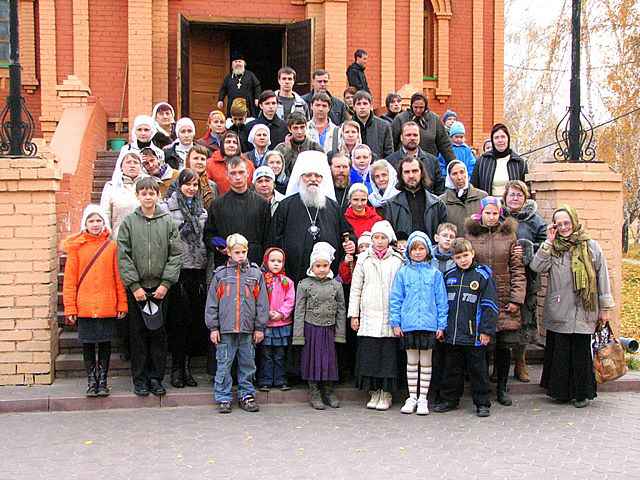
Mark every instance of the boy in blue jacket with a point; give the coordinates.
(461, 150)
(471, 323)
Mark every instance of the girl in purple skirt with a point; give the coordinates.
(319, 322)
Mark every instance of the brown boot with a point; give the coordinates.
(521, 372)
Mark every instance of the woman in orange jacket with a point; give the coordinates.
(93, 294)
(217, 162)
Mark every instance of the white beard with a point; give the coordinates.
(238, 71)
(312, 198)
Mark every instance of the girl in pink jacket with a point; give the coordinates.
(278, 332)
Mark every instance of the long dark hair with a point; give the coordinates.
(187, 175)
(425, 179)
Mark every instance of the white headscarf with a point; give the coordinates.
(132, 147)
(91, 209)
(312, 162)
(254, 130)
(448, 183)
(182, 148)
(321, 251)
(376, 198)
(155, 112)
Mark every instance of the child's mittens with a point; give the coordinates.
(297, 341)
(527, 250)
(340, 339)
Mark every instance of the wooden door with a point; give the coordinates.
(182, 108)
(208, 65)
(300, 53)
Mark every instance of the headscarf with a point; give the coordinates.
(343, 146)
(377, 198)
(507, 151)
(154, 112)
(117, 178)
(420, 120)
(133, 147)
(254, 130)
(181, 148)
(584, 274)
(312, 161)
(211, 133)
(484, 202)
(269, 277)
(357, 187)
(92, 209)
(282, 177)
(448, 183)
(321, 251)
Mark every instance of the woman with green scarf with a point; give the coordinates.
(578, 300)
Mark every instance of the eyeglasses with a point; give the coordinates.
(515, 195)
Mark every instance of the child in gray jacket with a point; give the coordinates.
(236, 313)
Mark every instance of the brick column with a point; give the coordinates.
(28, 45)
(160, 51)
(387, 48)
(595, 191)
(478, 72)
(28, 270)
(498, 61)
(335, 44)
(48, 65)
(140, 81)
(81, 40)
(416, 43)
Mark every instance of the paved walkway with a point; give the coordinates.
(534, 439)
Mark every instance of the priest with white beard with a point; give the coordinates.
(310, 214)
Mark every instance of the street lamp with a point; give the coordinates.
(574, 141)
(15, 132)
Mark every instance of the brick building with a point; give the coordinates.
(129, 54)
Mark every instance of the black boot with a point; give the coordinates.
(315, 397)
(329, 396)
(503, 396)
(189, 381)
(502, 360)
(92, 381)
(104, 355)
(177, 373)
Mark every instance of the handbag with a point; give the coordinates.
(608, 355)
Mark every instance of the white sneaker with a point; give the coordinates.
(423, 406)
(375, 398)
(409, 405)
(385, 401)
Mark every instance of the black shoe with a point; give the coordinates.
(248, 404)
(103, 388)
(483, 411)
(141, 390)
(92, 382)
(264, 388)
(224, 407)
(580, 403)
(177, 377)
(189, 381)
(284, 387)
(155, 387)
(503, 397)
(444, 407)
(329, 395)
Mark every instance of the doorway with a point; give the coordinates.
(205, 51)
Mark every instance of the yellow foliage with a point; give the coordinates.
(630, 300)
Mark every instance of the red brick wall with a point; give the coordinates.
(108, 52)
(266, 9)
(363, 31)
(402, 45)
(64, 38)
(488, 71)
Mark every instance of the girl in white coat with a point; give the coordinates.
(377, 356)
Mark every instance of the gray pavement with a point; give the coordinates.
(532, 439)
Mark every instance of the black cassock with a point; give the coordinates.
(290, 231)
(249, 89)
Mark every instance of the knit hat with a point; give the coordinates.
(322, 251)
(263, 171)
(484, 203)
(364, 238)
(91, 209)
(447, 114)
(457, 128)
(384, 227)
(237, 239)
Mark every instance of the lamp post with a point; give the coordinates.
(574, 141)
(16, 133)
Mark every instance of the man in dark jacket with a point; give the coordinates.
(376, 133)
(297, 143)
(433, 136)
(411, 148)
(320, 82)
(240, 210)
(239, 83)
(355, 73)
(278, 130)
(414, 208)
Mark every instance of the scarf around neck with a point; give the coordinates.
(190, 230)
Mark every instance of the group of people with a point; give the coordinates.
(318, 223)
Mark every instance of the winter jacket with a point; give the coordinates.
(242, 131)
(331, 139)
(459, 209)
(443, 261)
(494, 247)
(370, 288)
(485, 170)
(563, 309)
(319, 302)
(291, 150)
(396, 210)
(362, 223)
(376, 133)
(101, 294)
(173, 158)
(192, 256)
(149, 250)
(433, 136)
(338, 112)
(356, 177)
(299, 105)
(118, 202)
(283, 300)
(430, 163)
(237, 301)
(531, 225)
(357, 78)
(461, 152)
(217, 171)
(210, 140)
(277, 128)
(418, 298)
(472, 305)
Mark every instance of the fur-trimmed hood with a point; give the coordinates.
(473, 227)
(528, 210)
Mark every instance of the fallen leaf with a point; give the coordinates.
(88, 442)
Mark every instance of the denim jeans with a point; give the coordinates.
(272, 366)
(232, 344)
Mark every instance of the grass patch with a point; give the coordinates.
(633, 361)
(630, 300)
(634, 252)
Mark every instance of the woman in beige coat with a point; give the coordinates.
(578, 299)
